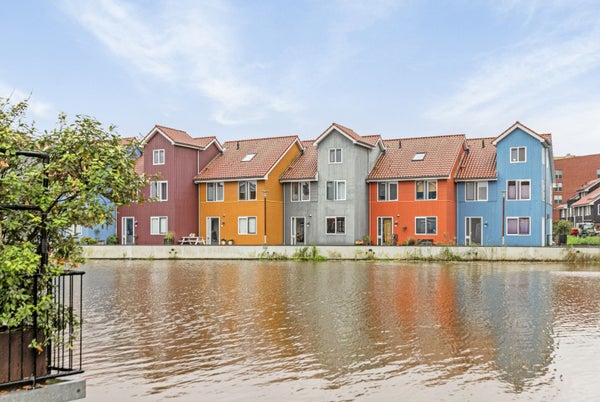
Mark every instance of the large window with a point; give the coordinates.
(426, 225)
(247, 190)
(387, 191)
(301, 191)
(518, 155)
(517, 226)
(518, 189)
(247, 225)
(158, 225)
(476, 191)
(159, 190)
(214, 191)
(336, 225)
(426, 189)
(158, 157)
(335, 155)
(336, 190)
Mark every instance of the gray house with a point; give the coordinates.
(325, 189)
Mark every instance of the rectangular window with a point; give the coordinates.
(387, 191)
(558, 174)
(476, 191)
(517, 226)
(598, 173)
(247, 190)
(335, 155)
(426, 225)
(159, 190)
(518, 155)
(158, 157)
(558, 186)
(247, 225)
(518, 190)
(558, 199)
(336, 225)
(426, 189)
(336, 190)
(214, 191)
(301, 191)
(158, 225)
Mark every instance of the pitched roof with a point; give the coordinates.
(230, 164)
(479, 161)
(543, 138)
(588, 185)
(588, 199)
(305, 165)
(369, 141)
(181, 138)
(399, 162)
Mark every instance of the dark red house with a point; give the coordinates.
(175, 157)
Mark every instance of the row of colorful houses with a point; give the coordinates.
(343, 187)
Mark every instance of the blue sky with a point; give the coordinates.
(248, 69)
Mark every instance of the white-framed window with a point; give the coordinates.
(335, 155)
(247, 190)
(214, 191)
(518, 155)
(476, 191)
(336, 225)
(558, 174)
(426, 225)
(518, 226)
(518, 190)
(247, 225)
(159, 190)
(158, 225)
(248, 157)
(300, 191)
(387, 191)
(598, 173)
(558, 186)
(419, 156)
(558, 199)
(598, 209)
(158, 157)
(336, 190)
(588, 210)
(426, 190)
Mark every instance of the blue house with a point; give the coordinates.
(504, 190)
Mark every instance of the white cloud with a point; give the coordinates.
(187, 44)
(38, 109)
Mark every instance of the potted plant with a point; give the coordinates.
(169, 238)
(223, 241)
(230, 242)
(367, 240)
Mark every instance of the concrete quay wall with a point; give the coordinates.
(437, 253)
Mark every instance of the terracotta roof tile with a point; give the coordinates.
(229, 165)
(368, 141)
(480, 161)
(139, 165)
(588, 199)
(588, 185)
(177, 136)
(441, 154)
(305, 165)
(204, 142)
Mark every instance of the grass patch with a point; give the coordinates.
(583, 241)
(307, 253)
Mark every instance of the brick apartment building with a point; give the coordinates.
(572, 172)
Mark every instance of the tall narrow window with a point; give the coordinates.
(158, 157)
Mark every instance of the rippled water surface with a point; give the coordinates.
(196, 330)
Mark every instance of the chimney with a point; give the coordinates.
(237, 146)
(399, 144)
(482, 143)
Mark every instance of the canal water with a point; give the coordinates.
(340, 331)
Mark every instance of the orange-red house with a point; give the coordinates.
(412, 195)
(240, 196)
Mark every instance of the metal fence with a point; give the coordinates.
(21, 362)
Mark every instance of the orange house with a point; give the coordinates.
(412, 195)
(240, 196)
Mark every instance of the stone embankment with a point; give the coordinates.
(415, 253)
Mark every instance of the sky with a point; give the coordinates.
(262, 68)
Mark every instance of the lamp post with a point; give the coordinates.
(265, 192)
(503, 213)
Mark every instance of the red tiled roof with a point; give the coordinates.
(305, 165)
(204, 142)
(586, 186)
(180, 137)
(397, 162)
(480, 161)
(366, 141)
(229, 164)
(588, 199)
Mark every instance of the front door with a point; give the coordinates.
(473, 231)
(298, 232)
(384, 231)
(212, 230)
(128, 230)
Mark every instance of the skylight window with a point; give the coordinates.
(248, 157)
(419, 156)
